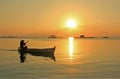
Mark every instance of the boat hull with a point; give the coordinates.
(47, 52)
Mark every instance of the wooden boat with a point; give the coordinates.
(46, 52)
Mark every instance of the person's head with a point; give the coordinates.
(22, 40)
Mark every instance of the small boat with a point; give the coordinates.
(52, 36)
(46, 52)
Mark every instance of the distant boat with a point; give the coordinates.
(46, 52)
(83, 36)
(52, 36)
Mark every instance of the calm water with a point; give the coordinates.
(76, 58)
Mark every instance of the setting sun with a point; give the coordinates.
(71, 23)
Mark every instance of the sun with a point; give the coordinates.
(71, 23)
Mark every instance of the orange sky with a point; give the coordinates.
(45, 17)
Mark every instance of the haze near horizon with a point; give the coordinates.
(45, 17)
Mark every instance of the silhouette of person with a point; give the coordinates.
(23, 47)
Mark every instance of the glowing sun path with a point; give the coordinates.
(71, 50)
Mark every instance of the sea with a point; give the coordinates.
(76, 58)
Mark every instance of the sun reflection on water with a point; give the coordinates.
(71, 49)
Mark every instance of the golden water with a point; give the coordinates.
(76, 58)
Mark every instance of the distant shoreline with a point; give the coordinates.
(58, 37)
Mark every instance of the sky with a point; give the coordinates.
(45, 17)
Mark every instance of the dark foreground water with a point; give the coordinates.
(76, 58)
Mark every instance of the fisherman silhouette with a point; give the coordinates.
(23, 47)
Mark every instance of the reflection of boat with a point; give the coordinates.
(46, 52)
